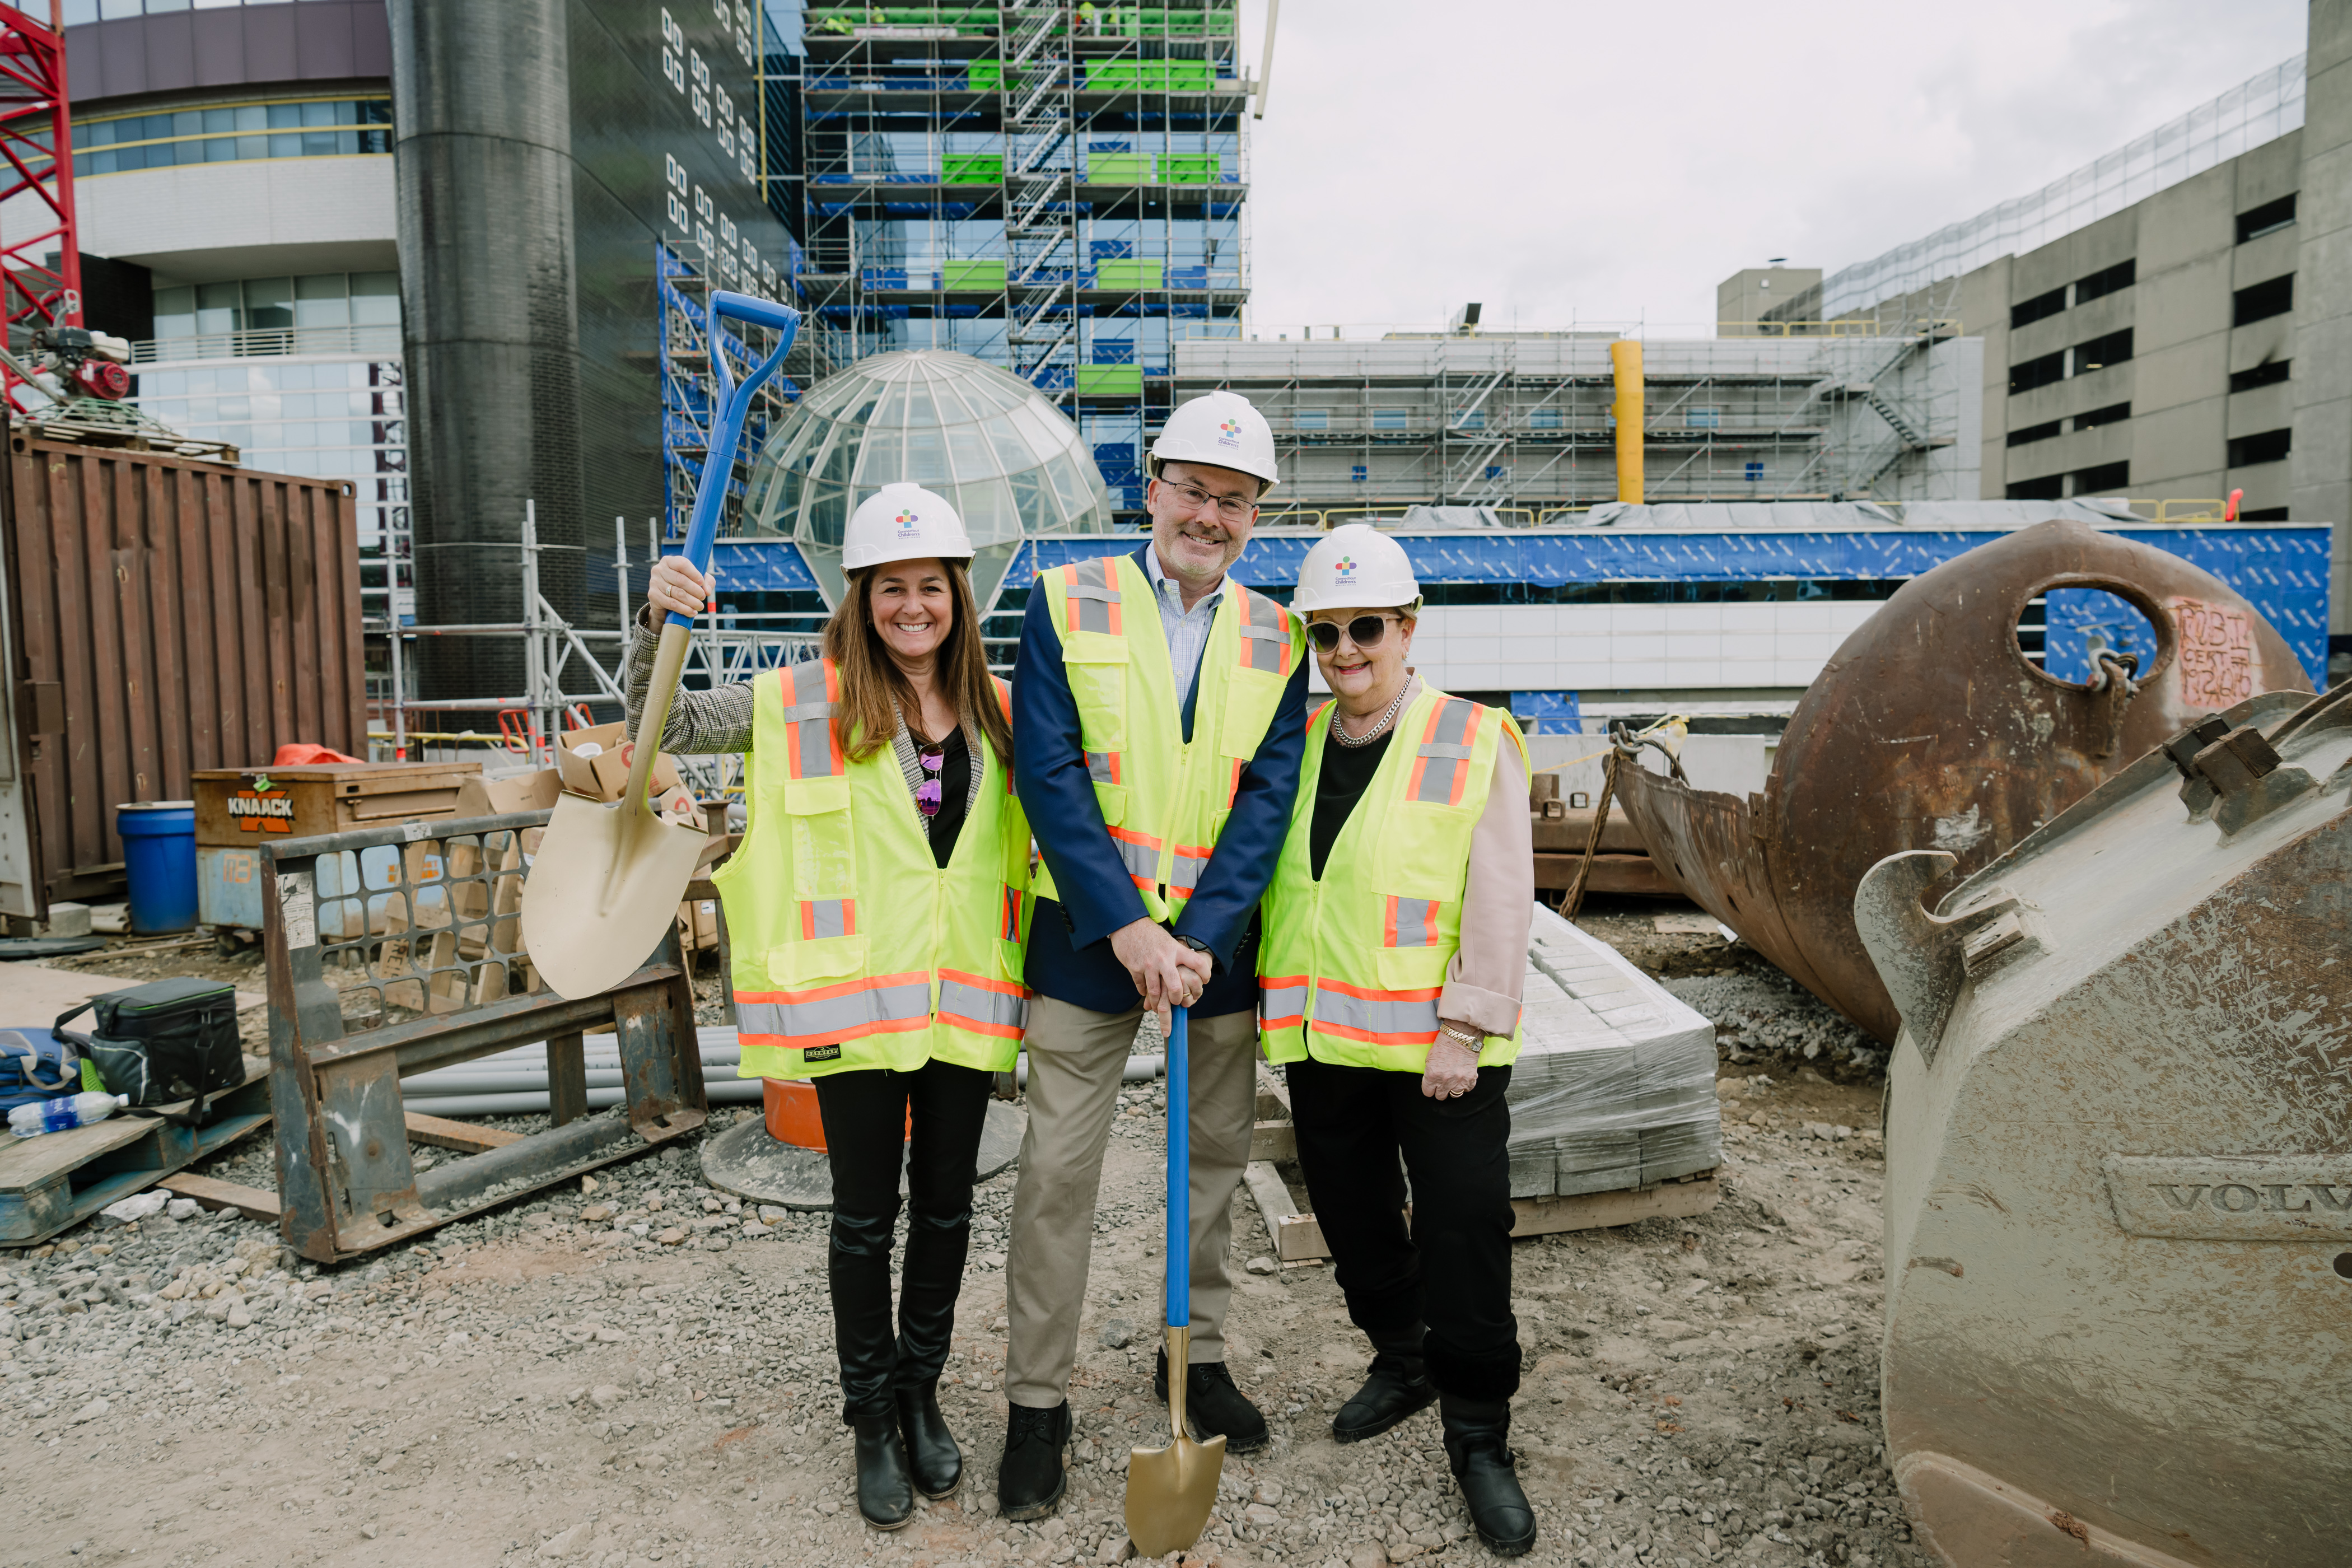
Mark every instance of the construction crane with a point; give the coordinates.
(37, 139)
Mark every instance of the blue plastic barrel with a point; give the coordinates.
(159, 855)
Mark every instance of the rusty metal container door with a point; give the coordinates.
(184, 616)
(1929, 728)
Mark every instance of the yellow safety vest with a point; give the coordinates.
(1352, 967)
(852, 947)
(1165, 800)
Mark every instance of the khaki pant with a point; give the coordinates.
(1075, 1057)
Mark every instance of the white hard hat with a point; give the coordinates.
(1219, 427)
(1355, 566)
(903, 522)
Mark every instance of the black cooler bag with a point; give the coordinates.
(166, 1041)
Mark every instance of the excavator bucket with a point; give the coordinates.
(2118, 1211)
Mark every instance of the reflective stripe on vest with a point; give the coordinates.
(1282, 1002)
(1184, 875)
(1139, 853)
(811, 751)
(1093, 601)
(1377, 1017)
(828, 1014)
(1102, 767)
(1009, 928)
(1266, 635)
(1411, 922)
(986, 1007)
(1440, 765)
(828, 917)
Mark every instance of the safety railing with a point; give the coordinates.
(267, 342)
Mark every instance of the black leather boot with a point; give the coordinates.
(1214, 1407)
(1030, 1481)
(1397, 1385)
(858, 1273)
(886, 1496)
(928, 1288)
(932, 1456)
(1480, 1457)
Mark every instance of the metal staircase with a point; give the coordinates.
(1040, 265)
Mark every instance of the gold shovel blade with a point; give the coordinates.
(1170, 1490)
(599, 897)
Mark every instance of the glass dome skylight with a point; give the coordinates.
(1010, 461)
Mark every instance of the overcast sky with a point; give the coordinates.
(1555, 159)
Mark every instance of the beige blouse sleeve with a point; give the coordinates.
(1485, 982)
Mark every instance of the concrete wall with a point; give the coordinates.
(2322, 386)
(319, 40)
(1749, 293)
(205, 222)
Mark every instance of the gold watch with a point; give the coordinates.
(1468, 1042)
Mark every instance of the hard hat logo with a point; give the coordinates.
(1229, 432)
(1345, 570)
(907, 521)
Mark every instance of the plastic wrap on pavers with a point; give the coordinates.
(1615, 1083)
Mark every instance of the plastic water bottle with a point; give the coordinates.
(63, 1115)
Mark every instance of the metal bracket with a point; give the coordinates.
(1924, 959)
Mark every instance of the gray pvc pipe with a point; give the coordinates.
(726, 1091)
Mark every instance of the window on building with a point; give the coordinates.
(2269, 372)
(312, 128)
(1703, 419)
(1472, 419)
(1360, 472)
(2269, 447)
(2268, 218)
(2106, 280)
(266, 304)
(2107, 478)
(1312, 419)
(2262, 301)
(1546, 419)
(2048, 487)
(2112, 414)
(2100, 353)
(2037, 308)
(1389, 418)
(2032, 433)
(2042, 372)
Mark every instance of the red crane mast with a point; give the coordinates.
(37, 142)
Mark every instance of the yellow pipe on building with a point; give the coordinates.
(1625, 358)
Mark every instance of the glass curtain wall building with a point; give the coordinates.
(1058, 189)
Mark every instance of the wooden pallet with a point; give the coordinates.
(61, 1179)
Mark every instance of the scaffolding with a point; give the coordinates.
(1053, 187)
(1521, 424)
(683, 281)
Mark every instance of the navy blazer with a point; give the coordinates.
(1069, 955)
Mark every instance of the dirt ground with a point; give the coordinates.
(641, 1372)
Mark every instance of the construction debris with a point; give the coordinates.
(1931, 729)
(2118, 1224)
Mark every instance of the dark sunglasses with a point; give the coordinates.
(1364, 631)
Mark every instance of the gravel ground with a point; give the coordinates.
(638, 1371)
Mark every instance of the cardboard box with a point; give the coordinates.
(697, 924)
(601, 774)
(516, 791)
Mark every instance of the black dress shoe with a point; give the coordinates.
(1398, 1386)
(886, 1497)
(932, 1456)
(1481, 1459)
(1213, 1408)
(1030, 1481)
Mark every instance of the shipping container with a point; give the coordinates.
(161, 614)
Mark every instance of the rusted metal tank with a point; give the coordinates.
(2119, 1209)
(1929, 728)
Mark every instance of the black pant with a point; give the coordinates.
(1453, 1269)
(866, 1127)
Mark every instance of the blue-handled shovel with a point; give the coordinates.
(608, 877)
(1170, 1490)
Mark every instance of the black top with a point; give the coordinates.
(955, 786)
(1347, 772)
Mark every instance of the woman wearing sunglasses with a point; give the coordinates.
(1396, 944)
(875, 908)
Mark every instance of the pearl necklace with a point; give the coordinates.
(1377, 731)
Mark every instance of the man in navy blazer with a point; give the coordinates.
(1097, 961)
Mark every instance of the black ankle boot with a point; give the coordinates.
(1481, 1459)
(1396, 1386)
(932, 1456)
(1214, 1407)
(1030, 1480)
(886, 1497)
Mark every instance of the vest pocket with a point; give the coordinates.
(1411, 968)
(797, 964)
(1112, 799)
(1252, 697)
(810, 797)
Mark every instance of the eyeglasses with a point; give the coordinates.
(1364, 631)
(929, 794)
(1231, 509)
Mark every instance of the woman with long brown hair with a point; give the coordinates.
(876, 908)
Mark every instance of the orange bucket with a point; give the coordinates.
(790, 1106)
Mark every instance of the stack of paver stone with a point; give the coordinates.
(1614, 1086)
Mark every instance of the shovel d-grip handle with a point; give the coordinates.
(1179, 1176)
(727, 428)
